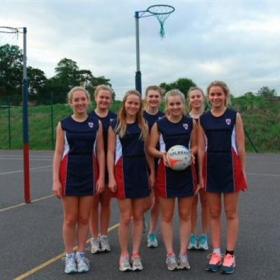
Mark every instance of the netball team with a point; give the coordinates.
(101, 155)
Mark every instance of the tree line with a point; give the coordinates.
(46, 91)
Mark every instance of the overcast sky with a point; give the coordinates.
(234, 41)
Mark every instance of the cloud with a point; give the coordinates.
(234, 41)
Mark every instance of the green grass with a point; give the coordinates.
(261, 122)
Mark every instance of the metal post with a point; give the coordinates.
(25, 124)
(138, 82)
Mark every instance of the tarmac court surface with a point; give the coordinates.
(32, 246)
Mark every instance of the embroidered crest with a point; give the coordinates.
(186, 126)
(228, 121)
(90, 124)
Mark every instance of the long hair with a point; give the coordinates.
(175, 92)
(121, 119)
(225, 89)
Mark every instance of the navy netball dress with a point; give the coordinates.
(131, 172)
(78, 168)
(105, 125)
(221, 167)
(171, 183)
(151, 119)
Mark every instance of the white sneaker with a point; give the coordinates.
(70, 265)
(202, 243)
(95, 245)
(136, 263)
(183, 262)
(104, 244)
(82, 264)
(124, 264)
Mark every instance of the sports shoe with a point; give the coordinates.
(152, 240)
(82, 264)
(183, 262)
(171, 262)
(95, 245)
(70, 265)
(215, 262)
(193, 242)
(124, 264)
(202, 243)
(228, 266)
(104, 244)
(136, 263)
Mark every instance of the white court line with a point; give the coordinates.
(261, 174)
(20, 171)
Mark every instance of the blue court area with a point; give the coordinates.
(32, 247)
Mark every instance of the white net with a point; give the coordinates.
(161, 12)
(9, 35)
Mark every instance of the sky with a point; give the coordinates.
(237, 42)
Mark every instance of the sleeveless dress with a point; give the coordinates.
(105, 125)
(131, 172)
(78, 167)
(221, 167)
(171, 183)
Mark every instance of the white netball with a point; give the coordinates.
(178, 157)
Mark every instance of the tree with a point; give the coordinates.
(266, 92)
(183, 84)
(11, 72)
(37, 85)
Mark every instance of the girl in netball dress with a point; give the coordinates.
(174, 129)
(152, 114)
(128, 174)
(103, 97)
(79, 146)
(196, 105)
(221, 152)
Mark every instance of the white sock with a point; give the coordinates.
(217, 251)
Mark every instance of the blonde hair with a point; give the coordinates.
(70, 93)
(175, 92)
(121, 119)
(188, 96)
(103, 87)
(225, 89)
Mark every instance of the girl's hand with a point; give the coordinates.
(112, 185)
(164, 158)
(57, 189)
(100, 186)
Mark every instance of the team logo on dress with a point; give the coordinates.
(90, 124)
(228, 121)
(186, 126)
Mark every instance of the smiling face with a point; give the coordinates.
(79, 101)
(196, 99)
(103, 99)
(175, 106)
(132, 105)
(153, 99)
(217, 97)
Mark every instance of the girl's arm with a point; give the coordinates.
(240, 142)
(111, 159)
(101, 159)
(151, 162)
(200, 153)
(59, 145)
(194, 139)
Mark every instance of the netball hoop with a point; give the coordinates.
(161, 12)
(9, 35)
